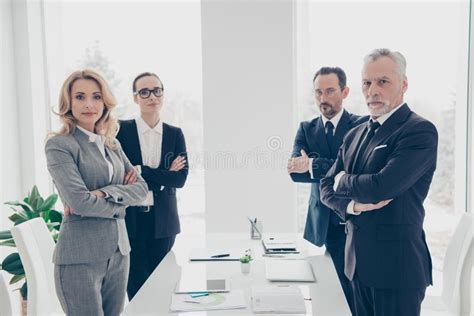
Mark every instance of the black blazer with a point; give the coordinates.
(165, 204)
(390, 247)
(311, 137)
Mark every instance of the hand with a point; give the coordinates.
(178, 163)
(131, 176)
(68, 211)
(337, 178)
(137, 169)
(360, 207)
(299, 164)
(98, 193)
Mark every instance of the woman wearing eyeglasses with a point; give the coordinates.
(158, 151)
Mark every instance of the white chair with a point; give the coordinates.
(5, 297)
(457, 268)
(36, 245)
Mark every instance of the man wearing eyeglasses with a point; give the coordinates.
(315, 150)
(158, 151)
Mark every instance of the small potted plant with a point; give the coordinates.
(245, 261)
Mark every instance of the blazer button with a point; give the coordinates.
(119, 199)
(116, 216)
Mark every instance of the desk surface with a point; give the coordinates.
(154, 297)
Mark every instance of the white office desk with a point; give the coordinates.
(154, 297)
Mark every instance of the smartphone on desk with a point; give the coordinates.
(195, 285)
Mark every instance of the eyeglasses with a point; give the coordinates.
(329, 92)
(145, 92)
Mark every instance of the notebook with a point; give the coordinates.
(278, 300)
(289, 271)
(213, 301)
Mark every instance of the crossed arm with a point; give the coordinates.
(413, 155)
(78, 197)
(176, 175)
(299, 163)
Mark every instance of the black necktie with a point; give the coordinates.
(363, 146)
(330, 134)
(330, 138)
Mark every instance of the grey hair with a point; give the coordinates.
(397, 57)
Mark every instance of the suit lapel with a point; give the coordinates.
(321, 139)
(134, 142)
(166, 148)
(83, 139)
(390, 125)
(116, 175)
(342, 127)
(351, 152)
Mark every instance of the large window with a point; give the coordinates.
(123, 39)
(436, 49)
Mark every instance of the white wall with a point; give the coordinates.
(24, 118)
(470, 97)
(32, 94)
(10, 167)
(248, 101)
(9, 136)
(470, 145)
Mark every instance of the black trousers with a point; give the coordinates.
(335, 243)
(145, 256)
(371, 301)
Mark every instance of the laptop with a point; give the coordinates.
(275, 245)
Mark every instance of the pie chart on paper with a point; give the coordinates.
(213, 299)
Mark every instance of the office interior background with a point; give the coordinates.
(238, 79)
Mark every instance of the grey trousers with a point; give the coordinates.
(93, 288)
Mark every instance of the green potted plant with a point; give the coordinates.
(245, 261)
(32, 206)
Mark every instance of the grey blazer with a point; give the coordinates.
(97, 227)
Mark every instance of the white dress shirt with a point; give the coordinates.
(151, 140)
(381, 119)
(99, 141)
(335, 120)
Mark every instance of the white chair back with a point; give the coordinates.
(35, 246)
(5, 297)
(456, 261)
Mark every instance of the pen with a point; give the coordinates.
(194, 295)
(254, 225)
(221, 255)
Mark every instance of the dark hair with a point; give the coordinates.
(144, 74)
(341, 75)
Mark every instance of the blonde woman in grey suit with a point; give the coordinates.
(96, 182)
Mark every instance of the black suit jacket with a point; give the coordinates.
(311, 137)
(165, 203)
(390, 247)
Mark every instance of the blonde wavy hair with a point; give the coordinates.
(107, 125)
